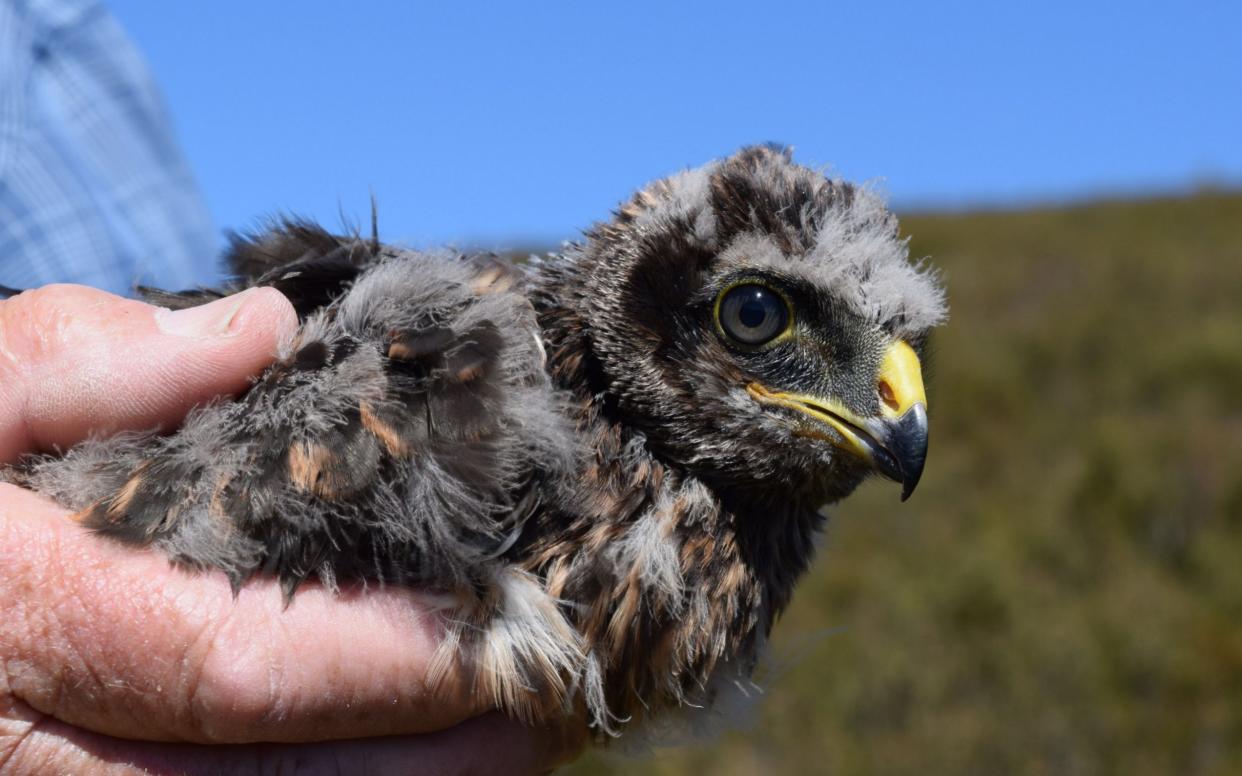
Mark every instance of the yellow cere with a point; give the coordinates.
(900, 380)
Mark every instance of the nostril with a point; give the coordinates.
(887, 396)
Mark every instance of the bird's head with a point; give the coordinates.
(763, 326)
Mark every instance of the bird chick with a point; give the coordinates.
(611, 461)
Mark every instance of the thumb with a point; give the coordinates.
(76, 361)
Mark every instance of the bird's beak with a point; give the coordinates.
(893, 442)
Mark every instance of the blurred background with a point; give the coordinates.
(1064, 593)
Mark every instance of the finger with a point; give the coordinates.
(112, 639)
(490, 744)
(75, 361)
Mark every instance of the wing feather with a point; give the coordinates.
(404, 435)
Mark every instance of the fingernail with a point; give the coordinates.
(209, 320)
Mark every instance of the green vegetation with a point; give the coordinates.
(1063, 595)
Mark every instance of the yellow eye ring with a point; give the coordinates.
(752, 314)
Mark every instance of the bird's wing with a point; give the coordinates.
(403, 436)
(300, 259)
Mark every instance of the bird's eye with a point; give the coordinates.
(752, 314)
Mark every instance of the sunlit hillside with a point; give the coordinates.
(1063, 595)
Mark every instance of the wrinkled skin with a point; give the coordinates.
(111, 661)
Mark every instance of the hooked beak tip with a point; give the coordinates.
(906, 441)
(901, 447)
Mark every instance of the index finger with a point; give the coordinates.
(113, 639)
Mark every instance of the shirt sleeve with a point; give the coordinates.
(93, 188)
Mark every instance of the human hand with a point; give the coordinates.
(113, 661)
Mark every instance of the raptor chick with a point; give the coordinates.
(611, 461)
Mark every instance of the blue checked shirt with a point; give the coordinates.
(92, 186)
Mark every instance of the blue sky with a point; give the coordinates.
(525, 122)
